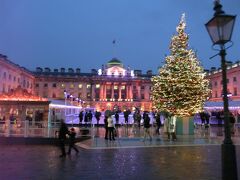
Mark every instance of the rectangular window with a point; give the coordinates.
(216, 94)
(54, 85)
(97, 86)
(142, 87)
(115, 87)
(45, 85)
(71, 86)
(235, 91)
(80, 86)
(79, 95)
(234, 79)
(88, 86)
(215, 83)
(142, 96)
(123, 87)
(134, 95)
(37, 85)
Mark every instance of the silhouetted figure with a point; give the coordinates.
(63, 131)
(202, 116)
(80, 116)
(117, 117)
(89, 116)
(146, 124)
(126, 115)
(106, 127)
(158, 122)
(97, 116)
(72, 140)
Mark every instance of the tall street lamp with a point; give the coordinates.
(220, 29)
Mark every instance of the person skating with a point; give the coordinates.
(110, 128)
(63, 131)
(146, 124)
(72, 140)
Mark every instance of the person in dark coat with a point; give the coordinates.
(63, 131)
(146, 124)
(72, 140)
(80, 116)
(117, 117)
(97, 116)
(158, 122)
(106, 126)
(202, 116)
(89, 116)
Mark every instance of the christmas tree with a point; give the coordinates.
(180, 88)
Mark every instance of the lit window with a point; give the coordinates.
(123, 87)
(80, 86)
(88, 86)
(72, 86)
(115, 87)
(97, 86)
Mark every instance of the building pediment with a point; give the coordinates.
(115, 71)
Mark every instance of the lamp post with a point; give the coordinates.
(220, 29)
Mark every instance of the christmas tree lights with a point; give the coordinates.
(180, 88)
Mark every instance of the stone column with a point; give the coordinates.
(138, 91)
(131, 92)
(127, 91)
(101, 91)
(104, 91)
(112, 90)
(119, 92)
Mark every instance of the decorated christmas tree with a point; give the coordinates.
(180, 88)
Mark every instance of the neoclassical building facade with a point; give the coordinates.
(13, 75)
(113, 86)
(233, 82)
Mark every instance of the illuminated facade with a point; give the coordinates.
(111, 86)
(233, 81)
(12, 76)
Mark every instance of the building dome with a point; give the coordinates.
(114, 62)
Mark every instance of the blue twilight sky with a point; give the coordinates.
(79, 33)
